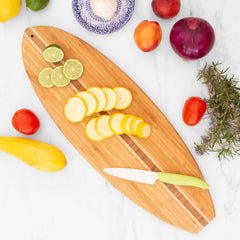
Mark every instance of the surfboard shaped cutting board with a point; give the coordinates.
(187, 208)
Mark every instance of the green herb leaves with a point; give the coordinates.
(223, 108)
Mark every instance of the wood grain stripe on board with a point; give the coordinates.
(172, 188)
(193, 211)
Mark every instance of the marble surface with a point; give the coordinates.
(77, 203)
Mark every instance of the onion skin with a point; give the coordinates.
(192, 38)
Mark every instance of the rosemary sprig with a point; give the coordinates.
(223, 108)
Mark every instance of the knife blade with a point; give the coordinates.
(150, 177)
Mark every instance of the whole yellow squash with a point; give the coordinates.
(9, 9)
(39, 155)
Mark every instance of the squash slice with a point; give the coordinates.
(91, 130)
(124, 97)
(115, 122)
(75, 109)
(111, 99)
(133, 124)
(125, 124)
(101, 97)
(103, 126)
(90, 100)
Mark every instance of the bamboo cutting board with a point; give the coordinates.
(188, 208)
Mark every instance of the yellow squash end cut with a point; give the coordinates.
(143, 130)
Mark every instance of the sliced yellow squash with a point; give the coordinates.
(111, 99)
(115, 122)
(143, 130)
(125, 124)
(101, 97)
(133, 124)
(103, 126)
(75, 109)
(91, 130)
(90, 100)
(124, 97)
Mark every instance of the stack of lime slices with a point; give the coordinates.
(60, 76)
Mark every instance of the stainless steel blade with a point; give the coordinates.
(141, 176)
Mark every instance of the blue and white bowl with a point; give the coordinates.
(86, 17)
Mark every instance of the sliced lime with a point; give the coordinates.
(44, 77)
(73, 69)
(58, 77)
(53, 53)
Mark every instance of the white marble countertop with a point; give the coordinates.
(77, 203)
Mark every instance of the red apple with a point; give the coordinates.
(166, 8)
(148, 35)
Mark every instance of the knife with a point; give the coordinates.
(150, 177)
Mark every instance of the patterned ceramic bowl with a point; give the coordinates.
(86, 17)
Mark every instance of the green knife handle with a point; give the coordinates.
(178, 179)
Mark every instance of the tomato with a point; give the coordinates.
(25, 122)
(193, 110)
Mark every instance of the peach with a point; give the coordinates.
(166, 8)
(148, 35)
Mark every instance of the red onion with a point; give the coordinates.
(192, 38)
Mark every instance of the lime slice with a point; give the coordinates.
(53, 53)
(58, 77)
(73, 69)
(44, 77)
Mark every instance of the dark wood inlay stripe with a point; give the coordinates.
(78, 86)
(135, 148)
(172, 188)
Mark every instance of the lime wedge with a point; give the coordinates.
(73, 69)
(58, 77)
(53, 53)
(44, 77)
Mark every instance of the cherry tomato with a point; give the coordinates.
(193, 110)
(25, 122)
